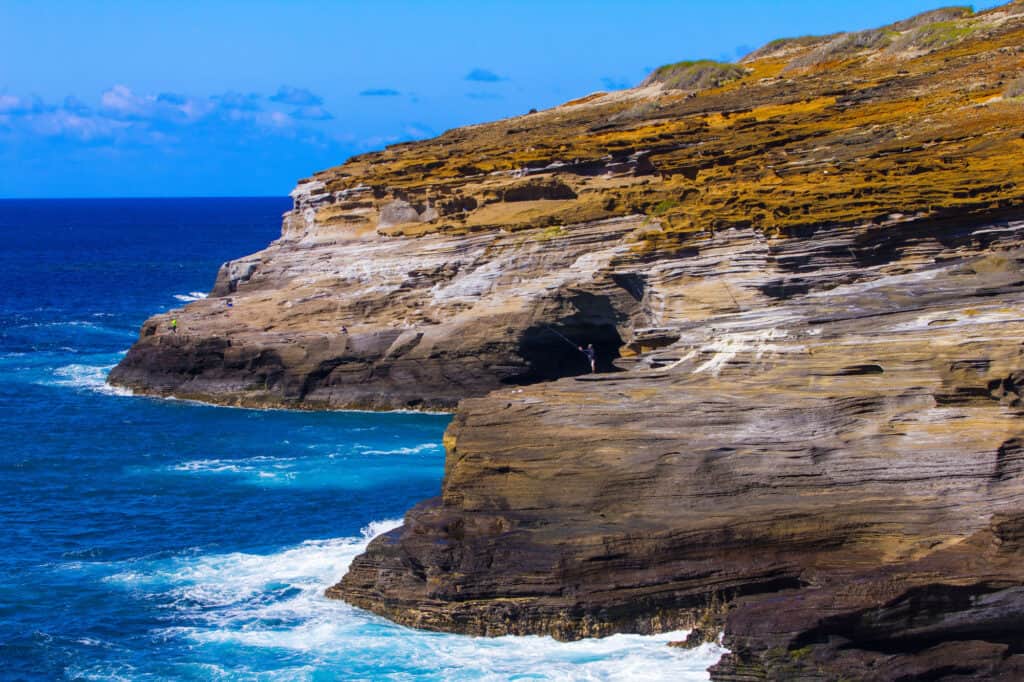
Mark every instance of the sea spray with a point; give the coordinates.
(272, 608)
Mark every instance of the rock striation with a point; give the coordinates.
(804, 278)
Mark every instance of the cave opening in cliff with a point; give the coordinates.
(551, 351)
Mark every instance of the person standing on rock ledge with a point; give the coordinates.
(174, 325)
(591, 356)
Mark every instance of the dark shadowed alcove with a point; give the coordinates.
(551, 351)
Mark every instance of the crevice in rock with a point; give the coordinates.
(927, 616)
(551, 351)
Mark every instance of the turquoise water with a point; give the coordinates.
(145, 539)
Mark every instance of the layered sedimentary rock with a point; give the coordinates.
(810, 461)
(443, 260)
(803, 276)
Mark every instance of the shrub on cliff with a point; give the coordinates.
(932, 17)
(926, 31)
(781, 47)
(935, 36)
(843, 46)
(695, 75)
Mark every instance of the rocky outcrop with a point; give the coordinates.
(429, 271)
(384, 323)
(820, 463)
(804, 286)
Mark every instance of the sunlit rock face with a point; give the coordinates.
(804, 281)
(430, 271)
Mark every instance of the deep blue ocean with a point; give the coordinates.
(147, 539)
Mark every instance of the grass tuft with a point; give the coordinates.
(695, 75)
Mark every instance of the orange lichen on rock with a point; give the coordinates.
(864, 124)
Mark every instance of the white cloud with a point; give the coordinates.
(316, 113)
(9, 102)
(129, 118)
(12, 104)
(279, 119)
(70, 124)
(122, 100)
(299, 97)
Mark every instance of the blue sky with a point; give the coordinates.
(147, 98)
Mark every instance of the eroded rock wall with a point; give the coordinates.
(772, 454)
(805, 284)
(429, 271)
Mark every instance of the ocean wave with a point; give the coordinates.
(272, 608)
(190, 296)
(86, 377)
(234, 579)
(263, 465)
(413, 450)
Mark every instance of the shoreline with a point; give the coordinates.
(241, 404)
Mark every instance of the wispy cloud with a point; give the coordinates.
(299, 97)
(122, 101)
(123, 115)
(236, 100)
(479, 75)
(12, 104)
(410, 131)
(75, 105)
(418, 130)
(312, 114)
(68, 124)
(380, 92)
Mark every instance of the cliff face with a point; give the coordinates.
(816, 462)
(804, 281)
(445, 259)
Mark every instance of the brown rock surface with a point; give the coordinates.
(444, 259)
(810, 280)
(812, 460)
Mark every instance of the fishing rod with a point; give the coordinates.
(562, 336)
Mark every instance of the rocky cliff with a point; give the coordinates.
(803, 276)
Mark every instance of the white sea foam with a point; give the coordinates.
(275, 604)
(117, 672)
(413, 450)
(259, 463)
(190, 296)
(259, 468)
(86, 377)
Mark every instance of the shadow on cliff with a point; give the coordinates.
(552, 351)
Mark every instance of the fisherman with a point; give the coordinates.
(174, 325)
(591, 356)
(588, 351)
